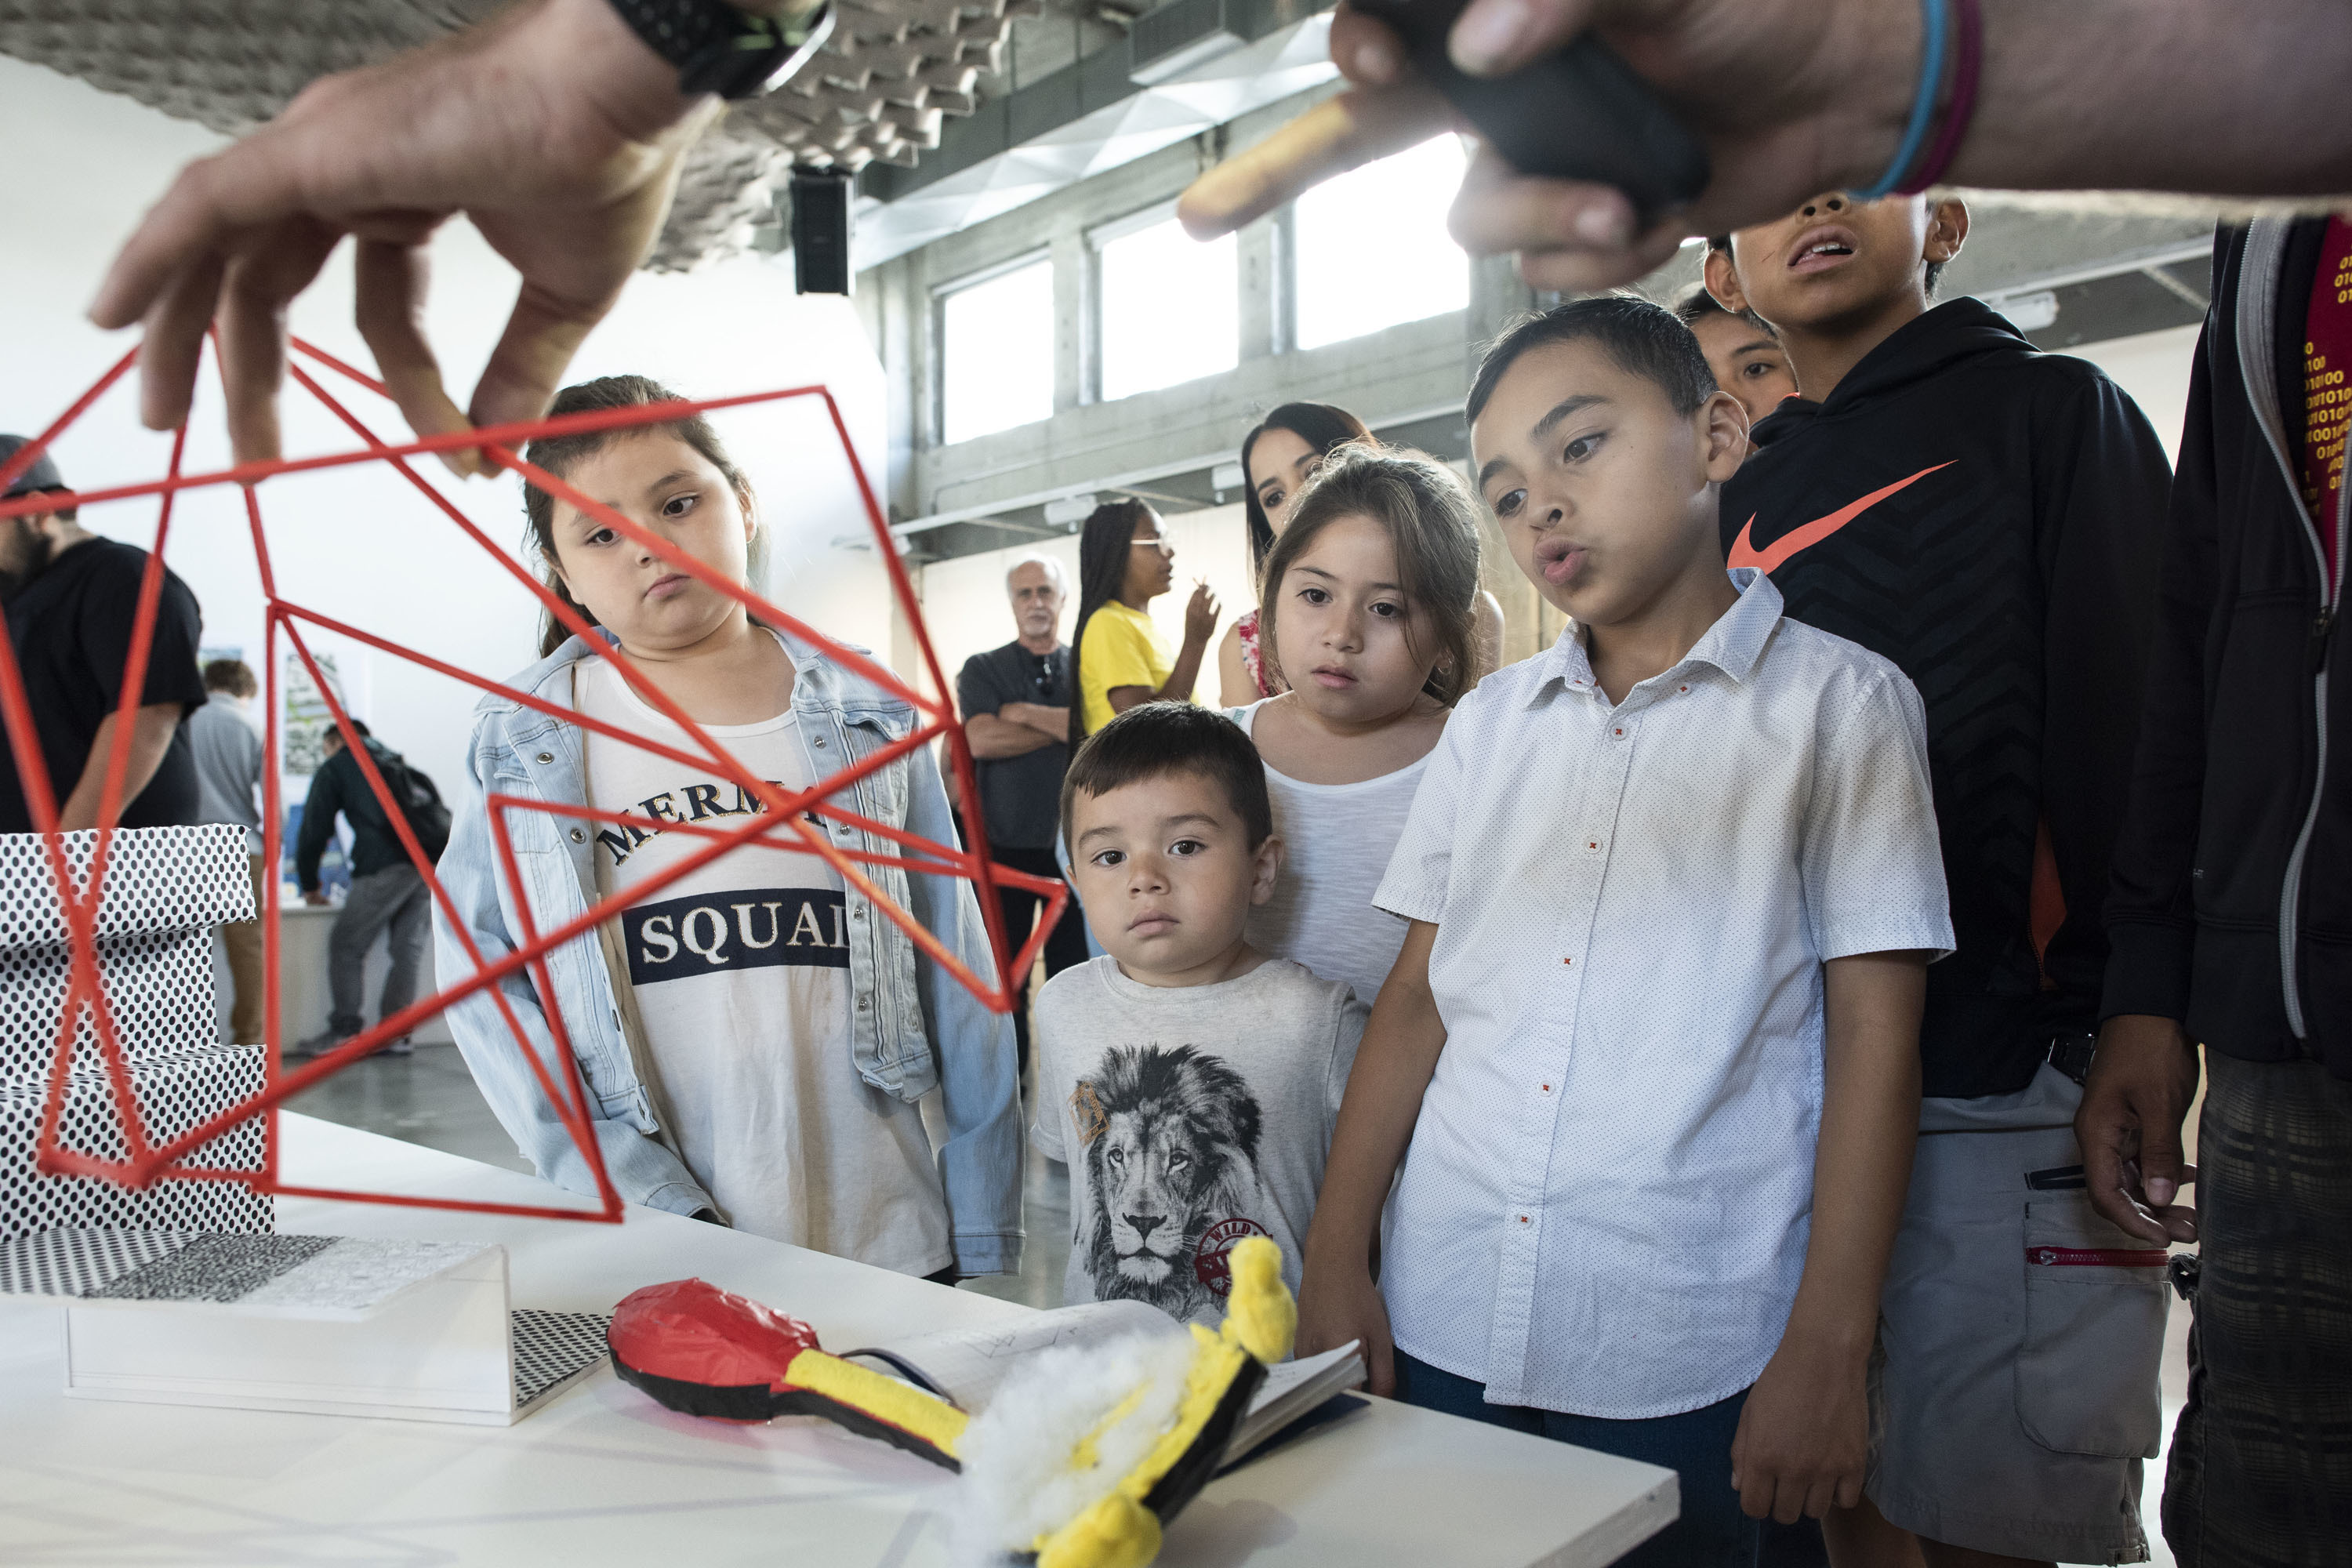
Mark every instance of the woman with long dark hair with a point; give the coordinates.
(1125, 561)
(1279, 454)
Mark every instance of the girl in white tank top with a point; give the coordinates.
(1370, 598)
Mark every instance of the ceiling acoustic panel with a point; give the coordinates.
(877, 91)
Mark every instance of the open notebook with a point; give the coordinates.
(967, 1365)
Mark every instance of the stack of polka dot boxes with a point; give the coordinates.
(166, 888)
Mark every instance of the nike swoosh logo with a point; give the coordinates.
(1776, 555)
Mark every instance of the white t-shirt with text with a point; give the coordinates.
(741, 972)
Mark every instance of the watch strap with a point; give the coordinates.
(723, 49)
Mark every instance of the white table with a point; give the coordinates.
(605, 1476)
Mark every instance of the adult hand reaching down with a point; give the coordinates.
(551, 126)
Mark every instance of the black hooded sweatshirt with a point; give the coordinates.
(2233, 906)
(1988, 517)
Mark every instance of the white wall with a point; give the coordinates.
(965, 607)
(2154, 368)
(358, 543)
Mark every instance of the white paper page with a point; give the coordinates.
(1293, 1389)
(1281, 1378)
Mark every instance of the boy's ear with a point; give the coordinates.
(1948, 230)
(1723, 430)
(1267, 872)
(1723, 281)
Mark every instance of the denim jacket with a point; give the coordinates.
(912, 1026)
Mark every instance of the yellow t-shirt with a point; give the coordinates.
(1121, 647)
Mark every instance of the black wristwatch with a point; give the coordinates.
(718, 47)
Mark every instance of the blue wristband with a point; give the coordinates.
(1934, 19)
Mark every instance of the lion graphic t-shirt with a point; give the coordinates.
(741, 973)
(1190, 1117)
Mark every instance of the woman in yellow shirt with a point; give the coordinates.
(1125, 561)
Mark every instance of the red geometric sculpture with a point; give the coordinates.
(781, 827)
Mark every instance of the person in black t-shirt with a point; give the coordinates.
(1017, 714)
(71, 598)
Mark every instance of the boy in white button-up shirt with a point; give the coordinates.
(1649, 1058)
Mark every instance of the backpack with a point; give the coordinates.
(420, 802)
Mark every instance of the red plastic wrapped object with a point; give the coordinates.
(722, 1355)
(701, 1350)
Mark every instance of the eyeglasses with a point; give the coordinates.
(1165, 546)
(1043, 680)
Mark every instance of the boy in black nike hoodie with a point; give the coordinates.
(1988, 517)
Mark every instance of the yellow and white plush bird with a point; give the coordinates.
(1082, 1458)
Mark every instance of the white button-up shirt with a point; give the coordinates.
(1604, 1207)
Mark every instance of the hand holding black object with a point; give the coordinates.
(1788, 96)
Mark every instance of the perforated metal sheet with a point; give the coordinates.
(176, 1091)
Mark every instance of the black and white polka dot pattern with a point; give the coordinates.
(82, 1260)
(157, 985)
(166, 888)
(551, 1348)
(157, 878)
(175, 1090)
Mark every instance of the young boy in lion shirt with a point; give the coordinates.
(1189, 1079)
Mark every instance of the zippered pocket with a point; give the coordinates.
(2093, 1336)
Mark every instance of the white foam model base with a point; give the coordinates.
(447, 1348)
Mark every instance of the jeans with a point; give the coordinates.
(1711, 1533)
(1022, 911)
(393, 901)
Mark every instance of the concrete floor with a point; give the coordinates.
(430, 1099)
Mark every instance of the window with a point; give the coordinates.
(1170, 304)
(1370, 248)
(996, 352)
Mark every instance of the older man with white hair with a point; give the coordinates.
(1017, 714)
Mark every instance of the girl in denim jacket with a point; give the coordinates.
(755, 1038)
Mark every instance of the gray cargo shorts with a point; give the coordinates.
(2013, 1393)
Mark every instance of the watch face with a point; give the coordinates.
(745, 56)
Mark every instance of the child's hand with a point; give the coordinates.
(1200, 614)
(1336, 1305)
(1804, 1434)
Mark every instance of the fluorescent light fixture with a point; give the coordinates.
(1069, 512)
(2028, 312)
